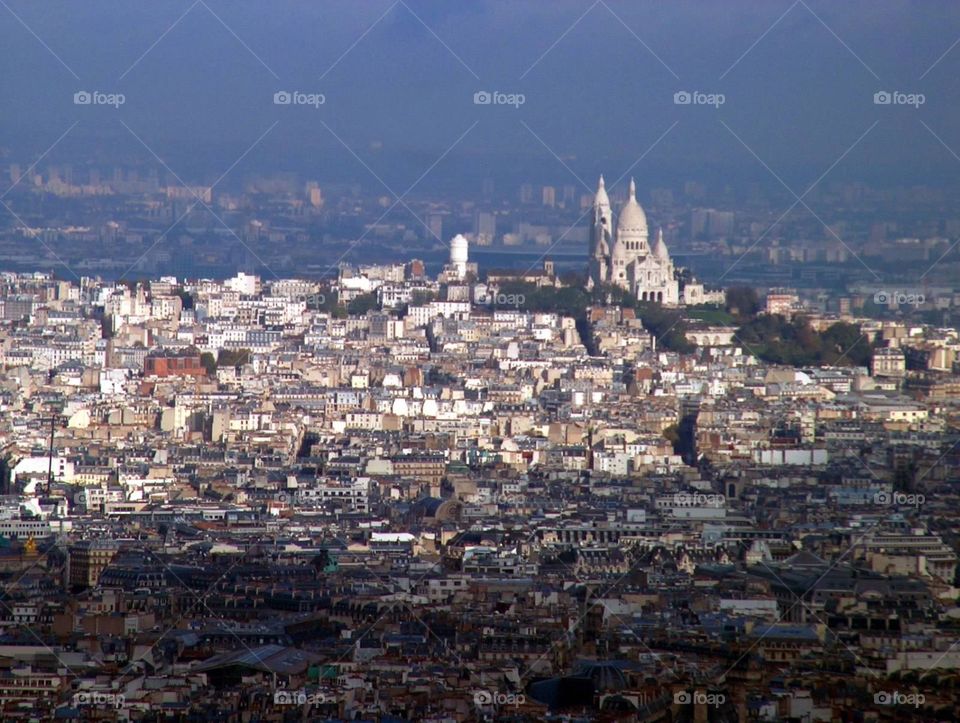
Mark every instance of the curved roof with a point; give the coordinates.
(660, 248)
(633, 220)
(619, 252)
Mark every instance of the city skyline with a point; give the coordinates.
(416, 360)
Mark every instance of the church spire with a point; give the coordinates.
(633, 190)
(601, 199)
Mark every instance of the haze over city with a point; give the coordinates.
(399, 79)
(410, 360)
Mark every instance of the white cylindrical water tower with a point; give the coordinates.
(459, 254)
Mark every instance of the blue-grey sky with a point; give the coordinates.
(798, 81)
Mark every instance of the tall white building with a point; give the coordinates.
(457, 270)
(623, 257)
(459, 255)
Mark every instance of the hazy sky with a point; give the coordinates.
(598, 79)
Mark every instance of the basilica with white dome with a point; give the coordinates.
(623, 257)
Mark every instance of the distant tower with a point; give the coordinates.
(601, 237)
(315, 196)
(459, 255)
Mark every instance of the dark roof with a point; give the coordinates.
(266, 658)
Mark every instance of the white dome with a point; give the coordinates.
(459, 249)
(619, 253)
(660, 248)
(632, 222)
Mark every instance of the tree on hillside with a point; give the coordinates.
(233, 357)
(667, 325)
(209, 363)
(185, 298)
(778, 340)
(743, 302)
(362, 304)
